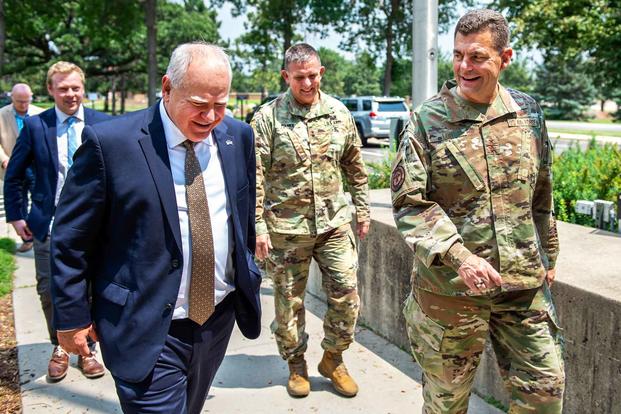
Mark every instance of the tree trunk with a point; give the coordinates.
(602, 103)
(388, 68)
(113, 84)
(150, 17)
(106, 104)
(123, 92)
(390, 18)
(287, 36)
(2, 37)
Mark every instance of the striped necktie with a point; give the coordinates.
(72, 139)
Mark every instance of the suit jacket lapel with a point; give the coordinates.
(155, 150)
(226, 149)
(49, 119)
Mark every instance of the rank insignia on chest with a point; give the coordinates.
(524, 122)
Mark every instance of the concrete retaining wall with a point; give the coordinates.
(587, 295)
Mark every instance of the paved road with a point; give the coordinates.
(584, 126)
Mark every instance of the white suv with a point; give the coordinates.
(373, 114)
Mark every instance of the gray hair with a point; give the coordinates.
(185, 53)
(300, 53)
(477, 21)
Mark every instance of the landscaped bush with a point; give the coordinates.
(379, 172)
(585, 175)
(7, 265)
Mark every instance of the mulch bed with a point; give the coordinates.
(10, 398)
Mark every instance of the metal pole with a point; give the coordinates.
(619, 213)
(425, 50)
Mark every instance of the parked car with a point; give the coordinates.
(5, 99)
(373, 114)
(250, 114)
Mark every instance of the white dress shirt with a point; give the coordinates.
(219, 212)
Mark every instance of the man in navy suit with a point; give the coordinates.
(158, 213)
(47, 142)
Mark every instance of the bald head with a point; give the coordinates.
(21, 96)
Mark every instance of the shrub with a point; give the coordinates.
(585, 175)
(7, 265)
(379, 172)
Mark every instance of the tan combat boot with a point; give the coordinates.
(333, 367)
(298, 384)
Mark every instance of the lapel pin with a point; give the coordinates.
(229, 142)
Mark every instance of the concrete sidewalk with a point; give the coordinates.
(251, 379)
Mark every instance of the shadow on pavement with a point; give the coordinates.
(364, 336)
(72, 394)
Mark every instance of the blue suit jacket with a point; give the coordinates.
(37, 146)
(117, 227)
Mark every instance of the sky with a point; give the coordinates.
(232, 27)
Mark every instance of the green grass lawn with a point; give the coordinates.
(7, 265)
(585, 132)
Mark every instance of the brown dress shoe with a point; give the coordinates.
(90, 367)
(59, 363)
(25, 247)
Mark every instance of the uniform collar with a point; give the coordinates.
(458, 109)
(308, 112)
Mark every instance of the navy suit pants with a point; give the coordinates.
(184, 371)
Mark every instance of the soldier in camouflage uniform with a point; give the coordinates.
(472, 196)
(306, 143)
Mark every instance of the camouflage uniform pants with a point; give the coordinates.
(288, 266)
(448, 335)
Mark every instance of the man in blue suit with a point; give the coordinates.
(48, 142)
(158, 213)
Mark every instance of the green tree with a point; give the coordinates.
(445, 69)
(518, 76)
(274, 25)
(364, 76)
(573, 29)
(384, 28)
(337, 68)
(563, 88)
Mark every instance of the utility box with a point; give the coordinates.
(602, 210)
(585, 207)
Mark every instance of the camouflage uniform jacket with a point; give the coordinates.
(302, 155)
(466, 182)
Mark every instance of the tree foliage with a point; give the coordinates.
(274, 25)
(364, 76)
(106, 38)
(384, 29)
(563, 88)
(586, 30)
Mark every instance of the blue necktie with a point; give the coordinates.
(72, 139)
